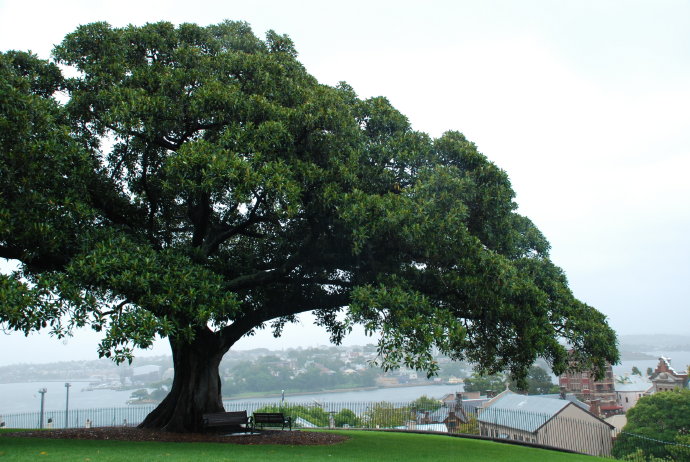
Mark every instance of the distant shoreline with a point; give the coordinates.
(637, 356)
(337, 390)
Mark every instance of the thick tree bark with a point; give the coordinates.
(196, 388)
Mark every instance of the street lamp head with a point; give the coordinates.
(43, 390)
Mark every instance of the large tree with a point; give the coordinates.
(657, 426)
(197, 183)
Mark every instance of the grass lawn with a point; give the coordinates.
(364, 446)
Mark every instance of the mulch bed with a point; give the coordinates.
(295, 437)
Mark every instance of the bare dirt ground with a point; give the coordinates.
(295, 437)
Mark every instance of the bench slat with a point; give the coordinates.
(262, 418)
(225, 419)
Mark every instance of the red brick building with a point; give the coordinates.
(665, 377)
(600, 395)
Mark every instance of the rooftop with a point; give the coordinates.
(522, 412)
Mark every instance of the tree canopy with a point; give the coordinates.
(537, 382)
(654, 422)
(197, 183)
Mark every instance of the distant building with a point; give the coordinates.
(450, 415)
(450, 399)
(665, 377)
(553, 422)
(387, 381)
(600, 395)
(630, 388)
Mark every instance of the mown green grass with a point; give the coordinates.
(363, 446)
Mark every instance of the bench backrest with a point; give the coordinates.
(269, 417)
(226, 417)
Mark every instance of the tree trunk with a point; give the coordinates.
(196, 388)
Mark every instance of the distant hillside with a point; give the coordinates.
(654, 342)
(634, 355)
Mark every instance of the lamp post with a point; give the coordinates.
(43, 392)
(67, 385)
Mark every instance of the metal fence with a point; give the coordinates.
(592, 436)
(75, 418)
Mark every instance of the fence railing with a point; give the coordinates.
(75, 418)
(591, 436)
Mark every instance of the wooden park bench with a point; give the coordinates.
(271, 419)
(231, 420)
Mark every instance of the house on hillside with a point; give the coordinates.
(553, 422)
(666, 378)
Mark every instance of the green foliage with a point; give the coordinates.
(471, 427)
(346, 418)
(198, 184)
(661, 417)
(681, 450)
(537, 382)
(636, 371)
(387, 415)
(159, 394)
(139, 394)
(640, 456)
(482, 383)
(312, 414)
(424, 403)
(268, 374)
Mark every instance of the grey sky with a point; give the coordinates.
(583, 103)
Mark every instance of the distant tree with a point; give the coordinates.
(659, 417)
(453, 369)
(346, 417)
(159, 394)
(386, 415)
(139, 394)
(495, 383)
(196, 184)
(650, 371)
(471, 427)
(424, 403)
(636, 371)
(538, 382)
(315, 415)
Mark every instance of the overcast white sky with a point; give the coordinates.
(584, 103)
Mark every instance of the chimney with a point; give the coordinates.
(594, 407)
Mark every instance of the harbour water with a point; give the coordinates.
(24, 397)
(680, 360)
